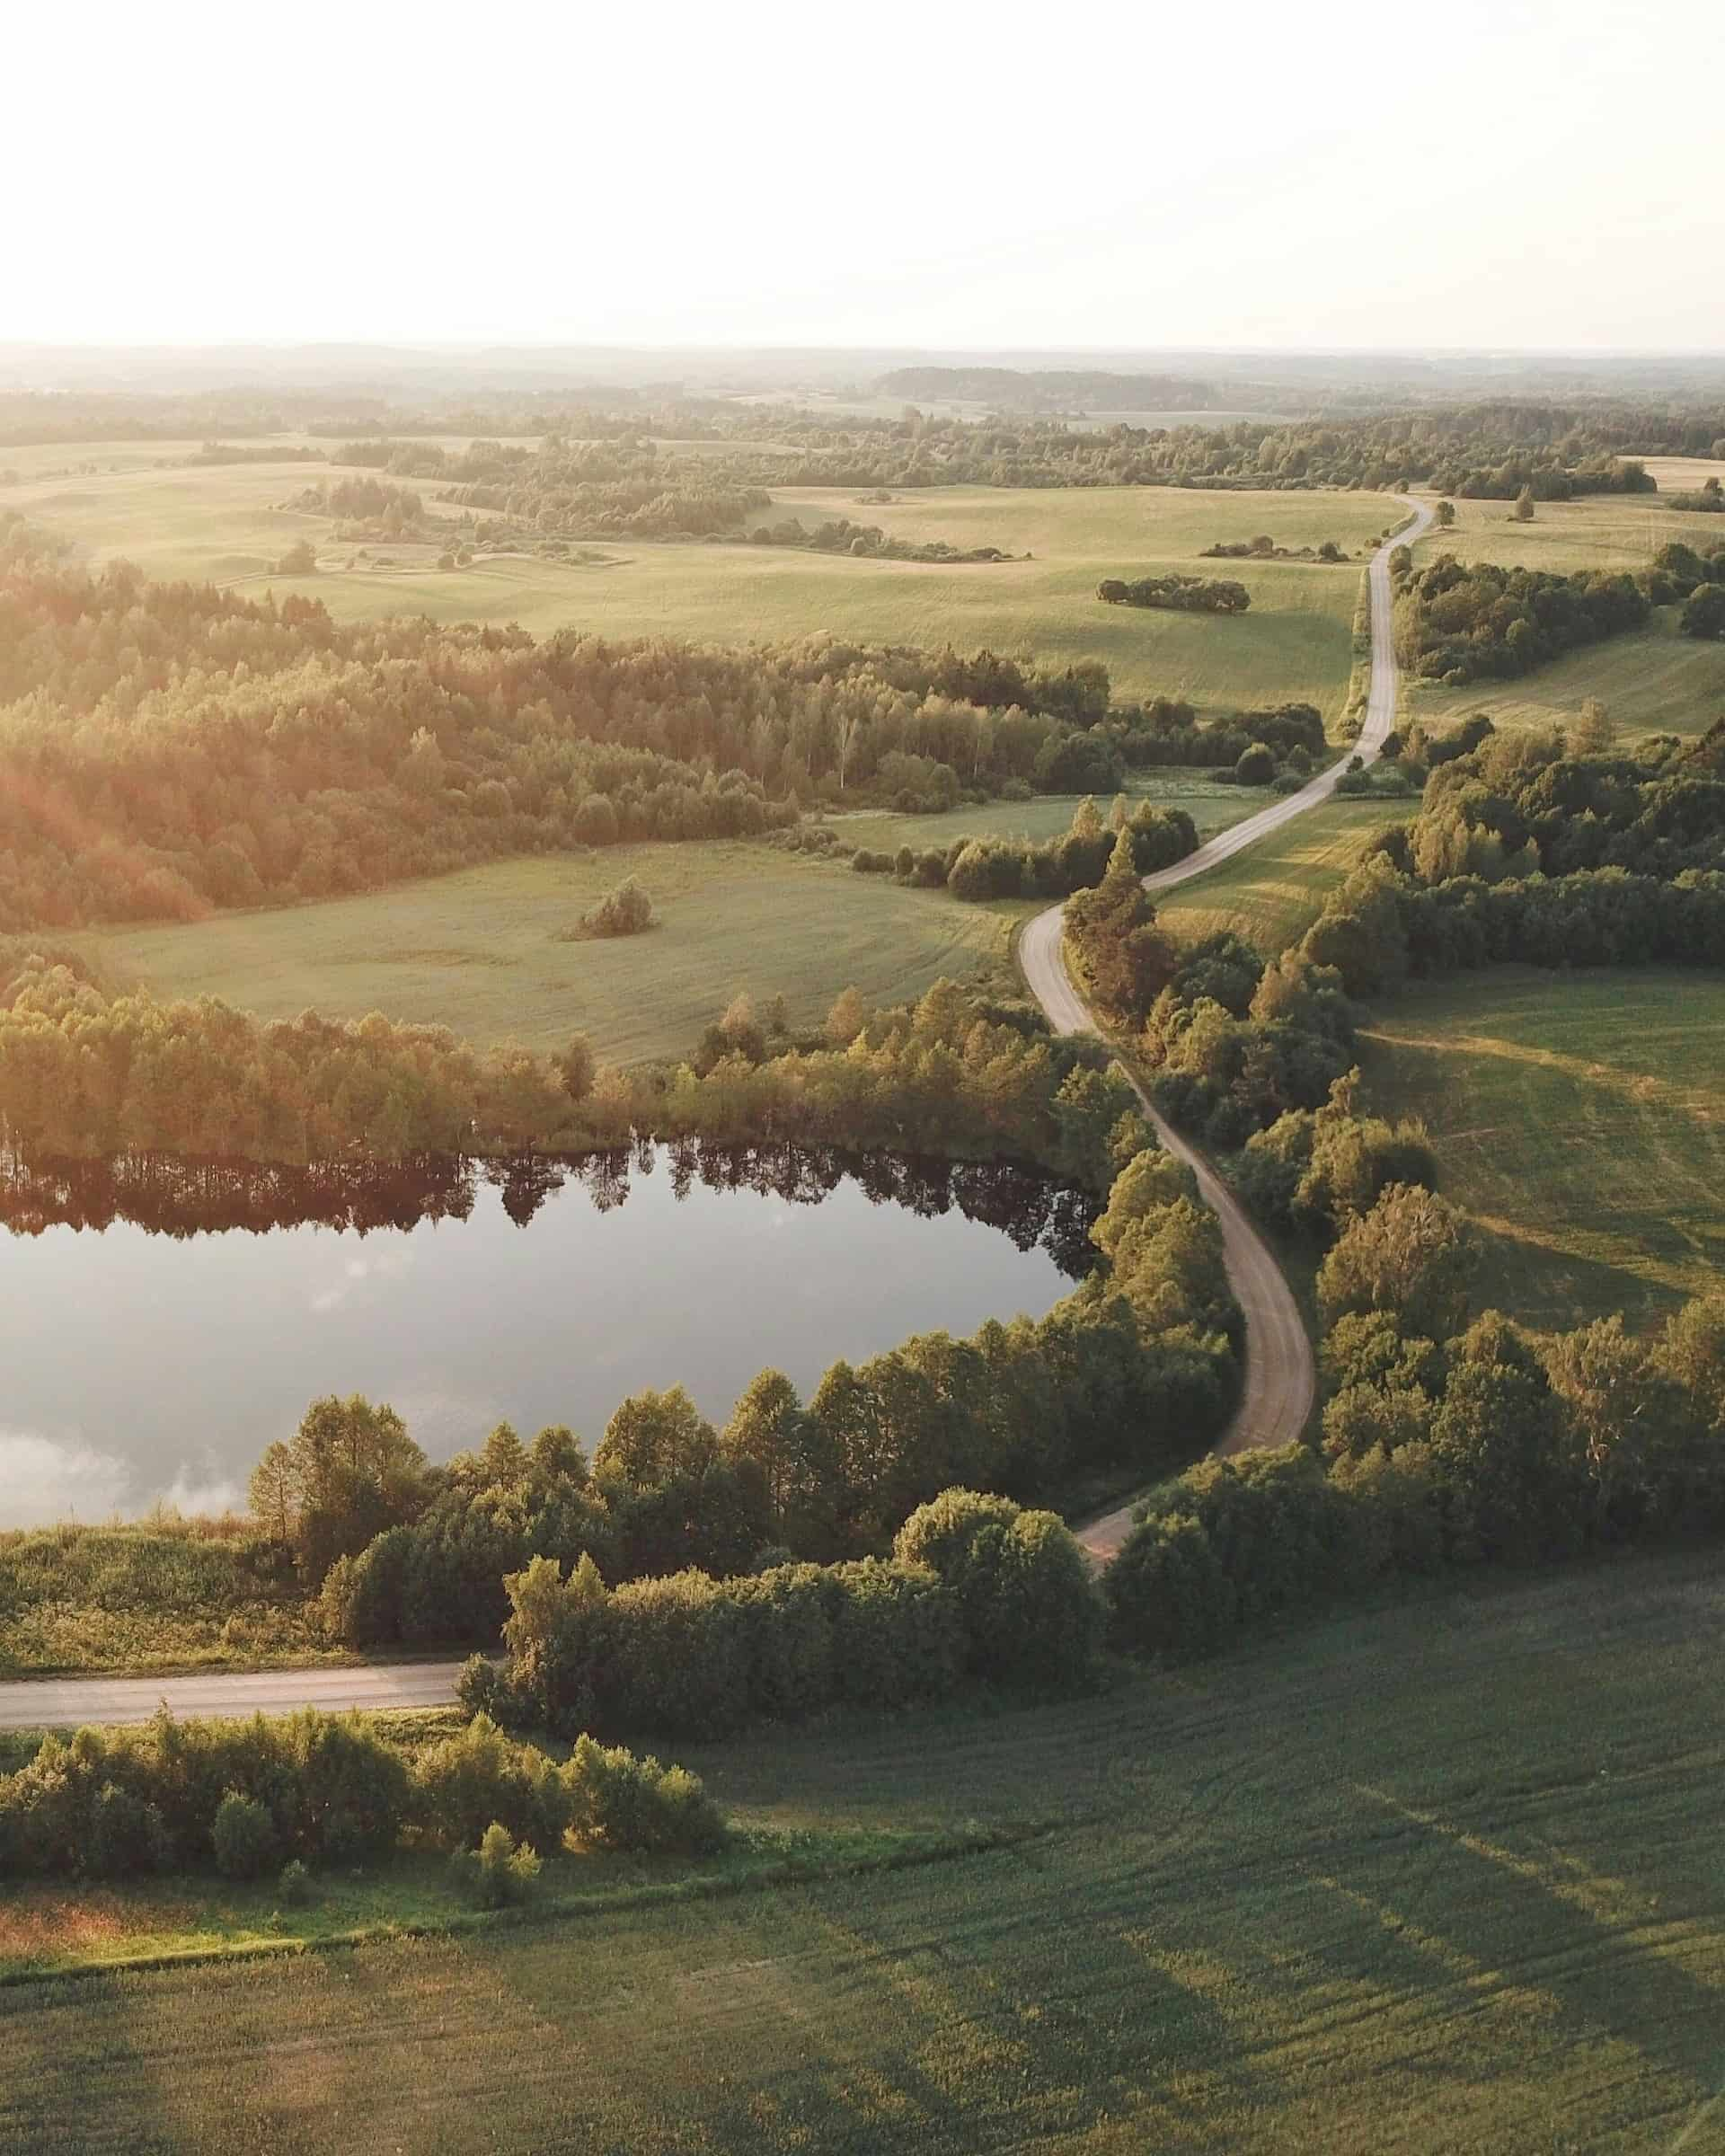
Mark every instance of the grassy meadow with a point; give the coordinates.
(1439, 1879)
(1595, 531)
(1580, 1119)
(1653, 681)
(485, 950)
(1211, 803)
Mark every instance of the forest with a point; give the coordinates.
(169, 749)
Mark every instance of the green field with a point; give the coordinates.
(482, 952)
(1596, 531)
(1274, 891)
(1580, 1117)
(1438, 1879)
(1654, 681)
(219, 521)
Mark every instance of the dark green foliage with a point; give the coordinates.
(180, 1795)
(1184, 595)
(120, 1801)
(243, 1837)
(1255, 766)
(1704, 613)
(1026, 1594)
(1233, 1045)
(1457, 622)
(1124, 957)
(499, 1871)
(271, 754)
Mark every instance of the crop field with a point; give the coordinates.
(219, 521)
(1439, 1879)
(1581, 1120)
(1274, 891)
(484, 952)
(1654, 681)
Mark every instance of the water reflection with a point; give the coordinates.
(168, 1196)
(161, 1321)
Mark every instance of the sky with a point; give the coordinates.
(1522, 173)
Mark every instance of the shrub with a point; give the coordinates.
(294, 1885)
(1256, 765)
(480, 1777)
(1024, 1592)
(627, 1803)
(625, 911)
(499, 1871)
(243, 1837)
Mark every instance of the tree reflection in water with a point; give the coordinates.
(167, 1196)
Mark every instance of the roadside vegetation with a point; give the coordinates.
(1524, 1893)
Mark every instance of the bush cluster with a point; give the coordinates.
(323, 1789)
(1183, 595)
(975, 1588)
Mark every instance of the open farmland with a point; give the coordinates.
(219, 521)
(484, 952)
(1581, 1120)
(1441, 1878)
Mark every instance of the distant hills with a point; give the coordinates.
(1047, 389)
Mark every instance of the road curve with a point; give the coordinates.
(1280, 1379)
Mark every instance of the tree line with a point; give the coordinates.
(166, 749)
(976, 1589)
(311, 1789)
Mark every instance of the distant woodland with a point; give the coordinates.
(166, 749)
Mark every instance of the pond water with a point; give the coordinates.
(162, 1321)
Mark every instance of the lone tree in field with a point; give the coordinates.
(299, 561)
(1523, 512)
(1444, 514)
(1595, 730)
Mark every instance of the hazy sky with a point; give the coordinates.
(1521, 172)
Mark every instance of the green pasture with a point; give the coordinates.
(1580, 1119)
(486, 953)
(1652, 682)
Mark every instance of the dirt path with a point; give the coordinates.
(1281, 1381)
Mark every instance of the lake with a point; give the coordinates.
(162, 1321)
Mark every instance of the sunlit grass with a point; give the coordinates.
(1581, 1117)
(1440, 1877)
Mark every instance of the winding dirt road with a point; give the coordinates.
(1280, 1379)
